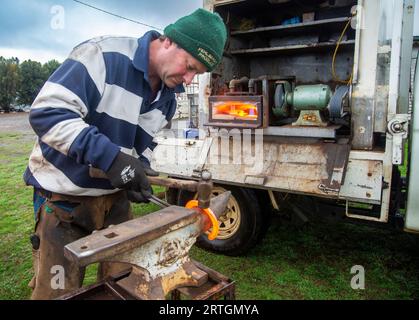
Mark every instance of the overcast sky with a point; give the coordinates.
(42, 30)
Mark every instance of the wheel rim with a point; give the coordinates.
(229, 222)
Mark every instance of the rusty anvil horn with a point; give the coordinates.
(219, 203)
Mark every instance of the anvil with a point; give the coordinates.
(156, 245)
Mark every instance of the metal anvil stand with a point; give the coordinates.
(157, 247)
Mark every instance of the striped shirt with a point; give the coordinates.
(94, 105)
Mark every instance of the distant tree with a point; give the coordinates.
(33, 75)
(9, 81)
(32, 78)
(49, 68)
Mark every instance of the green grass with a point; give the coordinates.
(403, 168)
(16, 217)
(310, 262)
(315, 262)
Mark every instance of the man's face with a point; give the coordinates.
(178, 66)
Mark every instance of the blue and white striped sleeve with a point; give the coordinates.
(59, 111)
(160, 118)
(145, 157)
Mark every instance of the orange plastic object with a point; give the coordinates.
(193, 204)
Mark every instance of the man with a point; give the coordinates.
(101, 109)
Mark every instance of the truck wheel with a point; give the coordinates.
(240, 228)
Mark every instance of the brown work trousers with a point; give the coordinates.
(57, 227)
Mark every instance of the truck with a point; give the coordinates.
(309, 113)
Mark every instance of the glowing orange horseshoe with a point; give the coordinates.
(192, 204)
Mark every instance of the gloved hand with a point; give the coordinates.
(136, 197)
(147, 168)
(127, 172)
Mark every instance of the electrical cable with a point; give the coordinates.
(334, 57)
(117, 15)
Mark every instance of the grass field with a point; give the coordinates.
(312, 262)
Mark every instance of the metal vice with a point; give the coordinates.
(156, 246)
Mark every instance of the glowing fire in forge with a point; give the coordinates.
(236, 109)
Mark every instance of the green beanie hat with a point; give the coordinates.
(202, 34)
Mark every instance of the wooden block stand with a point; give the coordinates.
(217, 287)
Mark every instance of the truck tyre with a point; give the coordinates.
(241, 227)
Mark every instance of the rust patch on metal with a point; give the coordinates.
(297, 165)
(169, 252)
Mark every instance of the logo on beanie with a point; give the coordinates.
(206, 56)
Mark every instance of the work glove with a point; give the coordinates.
(127, 172)
(147, 168)
(136, 197)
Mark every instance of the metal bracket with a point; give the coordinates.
(398, 129)
(327, 190)
(310, 118)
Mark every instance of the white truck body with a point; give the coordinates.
(319, 162)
